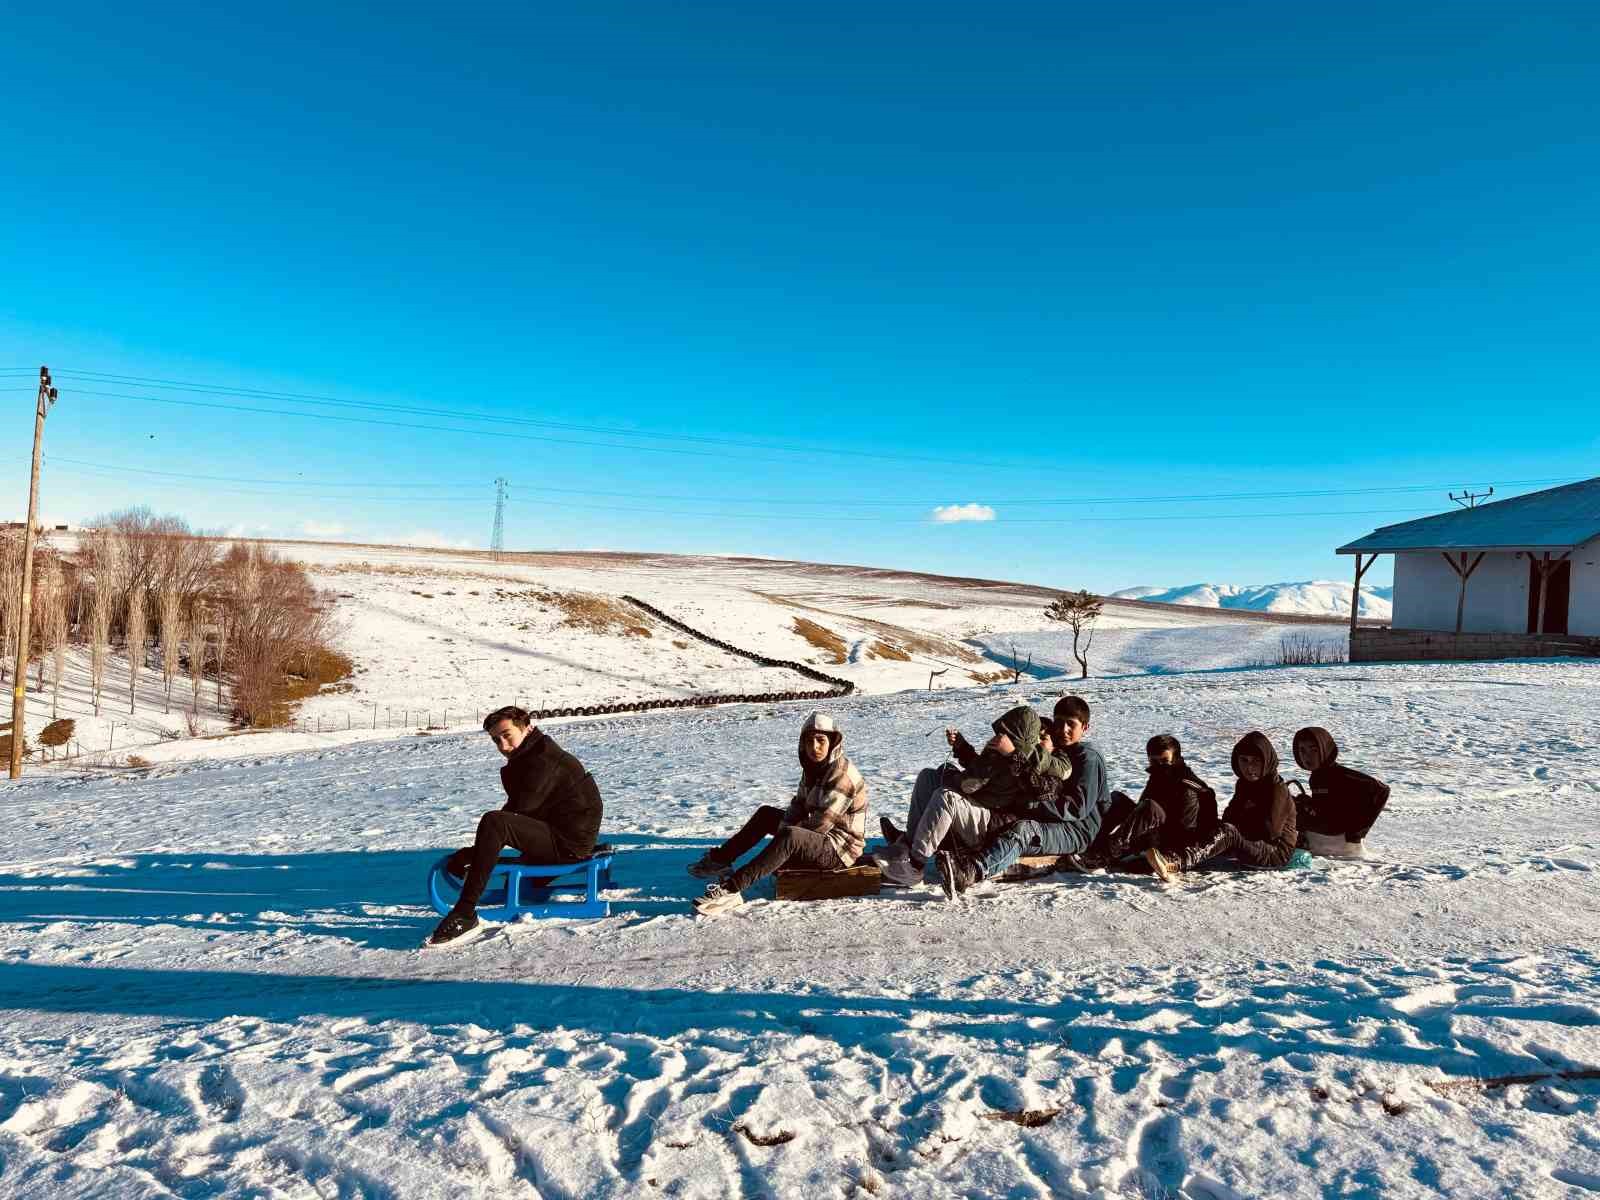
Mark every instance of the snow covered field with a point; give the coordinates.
(211, 986)
(438, 638)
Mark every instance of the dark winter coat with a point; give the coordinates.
(1188, 804)
(1008, 783)
(1343, 801)
(1073, 799)
(1262, 811)
(542, 780)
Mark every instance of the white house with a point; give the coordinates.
(1512, 578)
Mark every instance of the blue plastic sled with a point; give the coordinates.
(517, 888)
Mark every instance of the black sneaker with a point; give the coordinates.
(453, 926)
(890, 833)
(956, 874)
(709, 866)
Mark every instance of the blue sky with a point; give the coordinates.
(875, 259)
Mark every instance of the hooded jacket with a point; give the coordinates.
(832, 797)
(542, 780)
(1343, 801)
(1261, 810)
(1188, 803)
(1010, 782)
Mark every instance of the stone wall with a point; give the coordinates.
(1369, 644)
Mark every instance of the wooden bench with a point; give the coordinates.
(864, 879)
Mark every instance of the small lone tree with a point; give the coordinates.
(1080, 611)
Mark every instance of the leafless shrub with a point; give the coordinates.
(276, 626)
(1300, 649)
(191, 722)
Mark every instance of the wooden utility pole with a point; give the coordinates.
(47, 397)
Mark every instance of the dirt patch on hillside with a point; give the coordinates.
(886, 650)
(597, 614)
(891, 641)
(826, 640)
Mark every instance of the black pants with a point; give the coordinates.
(1127, 828)
(790, 846)
(496, 831)
(1228, 840)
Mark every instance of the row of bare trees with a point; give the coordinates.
(233, 611)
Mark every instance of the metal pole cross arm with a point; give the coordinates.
(46, 398)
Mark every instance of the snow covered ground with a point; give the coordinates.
(1317, 597)
(438, 638)
(211, 987)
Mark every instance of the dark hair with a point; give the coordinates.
(1163, 741)
(520, 717)
(1072, 706)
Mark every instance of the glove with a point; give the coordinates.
(458, 862)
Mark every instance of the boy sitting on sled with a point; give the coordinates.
(551, 814)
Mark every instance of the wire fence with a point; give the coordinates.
(443, 719)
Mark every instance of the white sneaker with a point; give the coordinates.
(716, 901)
(897, 871)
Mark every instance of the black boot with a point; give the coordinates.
(455, 924)
(1223, 840)
(957, 872)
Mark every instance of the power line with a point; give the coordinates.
(55, 458)
(841, 502)
(724, 514)
(497, 417)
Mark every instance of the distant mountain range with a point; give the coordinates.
(1316, 597)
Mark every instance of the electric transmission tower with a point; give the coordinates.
(497, 543)
(1470, 499)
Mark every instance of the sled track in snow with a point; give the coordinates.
(836, 687)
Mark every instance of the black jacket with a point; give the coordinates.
(1187, 802)
(1343, 800)
(1262, 811)
(542, 780)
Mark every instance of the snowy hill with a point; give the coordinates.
(439, 637)
(210, 983)
(1313, 598)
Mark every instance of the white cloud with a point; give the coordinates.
(240, 530)
(321, 529)
(948, 513)
(433, 540)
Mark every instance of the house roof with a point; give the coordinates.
(1556, 519)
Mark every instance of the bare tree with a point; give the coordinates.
(169, 601)
(197, 657)
(136, 639)
(103, 550)
(1079, 611)
(59, 598)
(10, 597)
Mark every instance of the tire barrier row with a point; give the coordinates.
(836, 687)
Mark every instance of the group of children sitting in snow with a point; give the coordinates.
(1036, 788)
